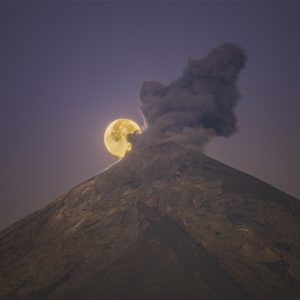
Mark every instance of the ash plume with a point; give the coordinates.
(198, 105)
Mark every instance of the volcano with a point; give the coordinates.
(166, 222)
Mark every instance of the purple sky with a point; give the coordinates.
(67, 70)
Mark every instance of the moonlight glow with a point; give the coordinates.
(116, 136)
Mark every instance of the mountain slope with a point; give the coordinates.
(166, 222)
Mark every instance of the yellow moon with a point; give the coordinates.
(115, 136)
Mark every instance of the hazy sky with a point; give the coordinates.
(67, 69)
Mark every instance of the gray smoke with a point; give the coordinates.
(198, 105)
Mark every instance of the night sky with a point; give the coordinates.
(68, 69)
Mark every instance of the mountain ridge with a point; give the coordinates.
(120, 235)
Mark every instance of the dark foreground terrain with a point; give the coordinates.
(166, 222)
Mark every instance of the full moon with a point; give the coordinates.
(116, 136)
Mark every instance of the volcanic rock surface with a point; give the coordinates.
(166, 222)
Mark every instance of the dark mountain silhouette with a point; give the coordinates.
(166, 222)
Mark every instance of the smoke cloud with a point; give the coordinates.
(198, 105)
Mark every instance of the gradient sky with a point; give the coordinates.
(68, 69)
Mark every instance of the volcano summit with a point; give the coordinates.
(167, 222)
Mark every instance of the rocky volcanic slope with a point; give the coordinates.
(166, 222)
